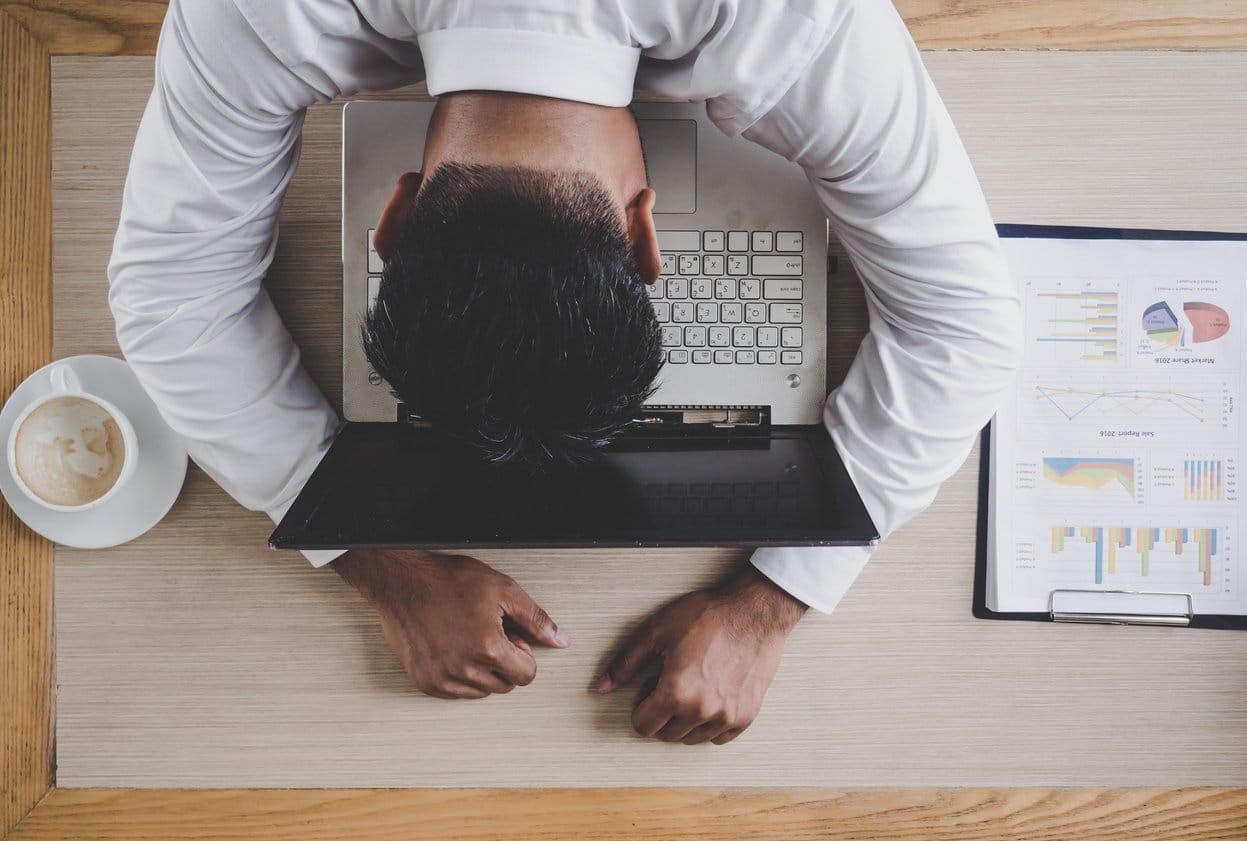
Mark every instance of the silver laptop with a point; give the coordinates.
(742, 298)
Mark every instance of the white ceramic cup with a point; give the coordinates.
(65, 383)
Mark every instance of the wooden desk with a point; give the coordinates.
(882, 693)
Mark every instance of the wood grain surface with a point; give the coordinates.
(25, 344)
(195, 657)
(683, 814)
(131, 27)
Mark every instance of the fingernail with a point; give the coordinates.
(604, 683)
(560, 638)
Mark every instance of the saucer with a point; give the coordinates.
(150, 492)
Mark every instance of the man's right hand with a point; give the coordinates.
(457, 626)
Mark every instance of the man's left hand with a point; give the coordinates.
(720, 648)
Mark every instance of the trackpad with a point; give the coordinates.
(671, 158)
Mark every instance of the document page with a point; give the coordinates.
(1115, 460)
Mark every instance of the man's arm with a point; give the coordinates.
(885, 160)
(216, 149)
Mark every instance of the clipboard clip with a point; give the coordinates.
(1122, 607)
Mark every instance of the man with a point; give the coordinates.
(512, 311)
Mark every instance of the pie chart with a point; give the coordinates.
(1204, 322)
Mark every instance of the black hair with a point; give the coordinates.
(512, 314)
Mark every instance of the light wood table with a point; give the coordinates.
(195, 658)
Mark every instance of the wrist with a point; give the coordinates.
(774, 606)
(375, 572)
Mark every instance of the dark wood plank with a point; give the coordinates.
(25, 344)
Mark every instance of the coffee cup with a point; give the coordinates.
(71, 450)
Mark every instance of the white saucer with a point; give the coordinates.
(150, 491)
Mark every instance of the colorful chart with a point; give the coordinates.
(1085, 321)
(1202, 479)
(1208, 322)
(1142, 541)
(1091, 473)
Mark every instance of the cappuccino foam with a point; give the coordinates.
(69, 451)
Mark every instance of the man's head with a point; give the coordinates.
(512, 311)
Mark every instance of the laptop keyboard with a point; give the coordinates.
(722, 298)
(730, 297)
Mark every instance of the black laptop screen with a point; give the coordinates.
(385, 485)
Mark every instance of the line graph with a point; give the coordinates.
(1072, 402)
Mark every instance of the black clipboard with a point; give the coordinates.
(979, 604)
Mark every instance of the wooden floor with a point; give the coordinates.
(196, 658)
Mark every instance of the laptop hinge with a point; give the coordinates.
(702, 420)
(672, 420)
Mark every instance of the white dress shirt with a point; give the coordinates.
(836, 86)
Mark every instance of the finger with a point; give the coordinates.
(652, 714)
(533, 621)
(519, 642)
(514, 664)
(678, 727)
(637, 651)
(487, 679)
(705, 732)
(727, 735)
(643, 691)
(456, 690)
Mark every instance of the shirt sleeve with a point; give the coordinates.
(883, 156)
(215, 150)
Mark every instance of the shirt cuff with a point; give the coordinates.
(817, 575)
(317, 557)
(540, 63)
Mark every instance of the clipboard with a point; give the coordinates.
(1063, 603)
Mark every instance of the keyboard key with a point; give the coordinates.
(755, 313)
(671, 336)
(737, 264)
(750, 288)
(695, 336)
(374, 259)
(720, 337)
(737, 240)
(763, 240)
(742, 336)
(744, 357)
(791, 337)
(713, 264)
(374, 286)
(725, 287)
(677, 287)
(767, 357)
(657, 288)
(700, 287)
(668, 264)
(768, 337)
(777, 264)
(679, 357)
(782, 288)
(732, 313)
(785, 313)
(722, 357)
(663, 311)
(679, 241)
(790, 357)
(712, 241)
(682, 312)
(690, 264)
(789, 241)
(701, 357)
(707, 313)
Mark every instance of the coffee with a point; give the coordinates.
(69, 451)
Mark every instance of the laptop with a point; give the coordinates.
(731, 450)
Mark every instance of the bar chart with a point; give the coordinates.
(1197, 547)
(1078, 325)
